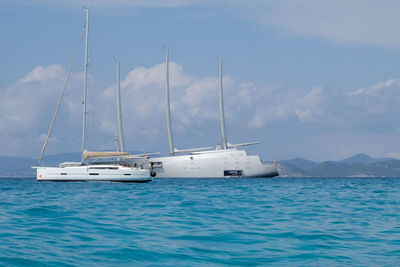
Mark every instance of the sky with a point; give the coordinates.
(317, 79)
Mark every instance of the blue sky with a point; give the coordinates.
(307, 78)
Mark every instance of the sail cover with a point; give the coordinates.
(103, 154)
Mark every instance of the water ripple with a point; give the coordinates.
(197, 222)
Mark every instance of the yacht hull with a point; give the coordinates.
(213, 164)
(93, 173)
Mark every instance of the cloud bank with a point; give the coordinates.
(316, 121)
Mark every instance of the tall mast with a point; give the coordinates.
(119, 117)
(85, 86)
(61, 97)
(167, 104)
(221, 107)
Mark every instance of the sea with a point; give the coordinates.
(201, 222)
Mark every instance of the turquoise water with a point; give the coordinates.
(197, 222)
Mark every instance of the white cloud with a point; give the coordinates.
(143, 92)
(44, 74)
(23, 101)
(28, 105)
(288, 103)
(381, 98)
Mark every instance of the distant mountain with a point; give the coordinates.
(387, 168)
(16, 167)
(335, 169)
(360, 165)
(363, 158)
(304, 164)
(289, 170)
(55, 159)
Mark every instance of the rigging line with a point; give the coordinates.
(61, 97)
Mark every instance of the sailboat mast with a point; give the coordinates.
(120, 131)
(167, 104)
(85, 86)
(221, 107)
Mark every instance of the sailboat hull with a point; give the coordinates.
(93, 173)
(213, 164)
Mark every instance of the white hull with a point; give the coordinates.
(213, 164)
(111, 173)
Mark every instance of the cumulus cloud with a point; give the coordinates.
(283, 103)
(143, 92)
(28, 105)
(23, 102)
(377, 99)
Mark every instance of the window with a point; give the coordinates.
(156, 164)
(103, 168)
(233, 173)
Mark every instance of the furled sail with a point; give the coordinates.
(103, 154)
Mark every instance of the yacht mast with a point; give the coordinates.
(61, 97)
(221, 107)
(167, 104)
(85, 86)
(119, 117)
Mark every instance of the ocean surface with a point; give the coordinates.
(201, 222)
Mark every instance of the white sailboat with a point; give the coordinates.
(226, 160)
(116, 171)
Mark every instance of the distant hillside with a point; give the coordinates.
(289, 170)
(304, 164)
(360, 165)
(55, 159)
(336, 169)
(363, 158)
(16, 167)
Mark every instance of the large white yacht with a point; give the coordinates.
(90, 169)
(226, 160)
(212, 164)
